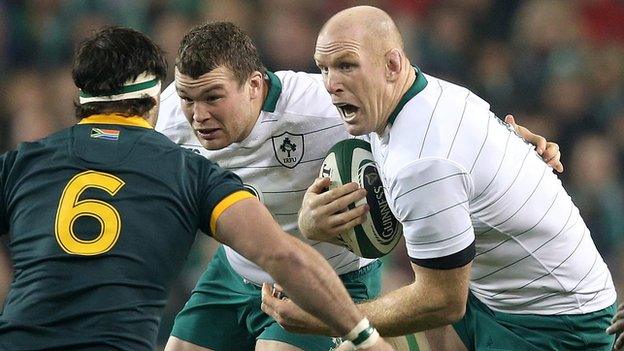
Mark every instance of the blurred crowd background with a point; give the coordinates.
(557, 65)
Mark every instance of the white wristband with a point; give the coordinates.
(372, 340)
(360, 327)
(369, 342)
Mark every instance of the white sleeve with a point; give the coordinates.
(430, 197)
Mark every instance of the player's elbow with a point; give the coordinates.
(286, 260)
(454, 311)
(449, 307)
(455, 306)
(293, 257)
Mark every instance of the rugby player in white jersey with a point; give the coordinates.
(497, 247)
(273, 130)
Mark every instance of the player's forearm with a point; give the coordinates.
(304, 274)
(400, 312)
(408, 310)
(324, 294)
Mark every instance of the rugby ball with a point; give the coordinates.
(351, 160)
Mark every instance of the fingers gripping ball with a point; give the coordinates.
(352, 160)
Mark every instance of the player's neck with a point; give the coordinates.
(257, 104)
(266, 84)
(403, 85)
(396, 93)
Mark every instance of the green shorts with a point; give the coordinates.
(488, 330)
(223, 312)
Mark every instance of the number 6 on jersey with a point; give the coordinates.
(70, 209)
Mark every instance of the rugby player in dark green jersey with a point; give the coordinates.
(101, 216)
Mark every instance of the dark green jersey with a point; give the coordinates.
(101, 217)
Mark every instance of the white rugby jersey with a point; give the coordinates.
(454, 173)
(279, 159)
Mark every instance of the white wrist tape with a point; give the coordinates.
(369, 342)
(362, 336)
(360, 327)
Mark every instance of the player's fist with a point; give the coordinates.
(324, 213)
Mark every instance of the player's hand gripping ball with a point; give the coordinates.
(351, 160)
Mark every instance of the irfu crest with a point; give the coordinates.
(288, 149)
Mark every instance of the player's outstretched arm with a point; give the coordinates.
(436, 298)
(324, 213)
(617, 327)
(547, 149)
(248, 228)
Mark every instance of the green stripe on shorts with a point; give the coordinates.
(412, 343)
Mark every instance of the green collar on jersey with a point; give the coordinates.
(419, 84)
(275, 89)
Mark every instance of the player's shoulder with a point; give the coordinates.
(169, 97)
(290, 78)
(195, 163)
(433, 114)
(53, 142)
(171, 120)
(161, 144)
(39, 151)
(304, 94)
(169, 93)
(438, 88)
(7, 159)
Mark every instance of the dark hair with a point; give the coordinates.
(106, 60)
(216, 44)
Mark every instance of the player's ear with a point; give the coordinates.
(256, 79)
(393, 64)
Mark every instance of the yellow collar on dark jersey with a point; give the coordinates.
(134, 121)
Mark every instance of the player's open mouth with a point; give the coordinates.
(347, 111)
(208, 133)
